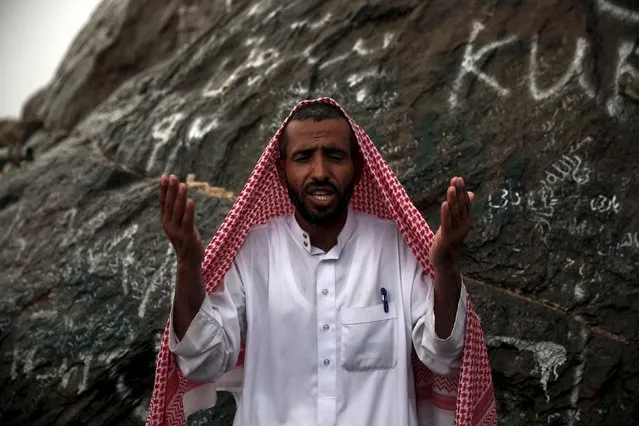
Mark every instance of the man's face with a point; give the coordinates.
(319, 168)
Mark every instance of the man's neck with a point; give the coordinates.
(323, 236)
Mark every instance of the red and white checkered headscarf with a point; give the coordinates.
(379, 192)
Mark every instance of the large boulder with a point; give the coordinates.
(534, 103)
(13, 134)
(122, 38)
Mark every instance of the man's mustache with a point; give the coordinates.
(318, 186)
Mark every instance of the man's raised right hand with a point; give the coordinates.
(178, 212)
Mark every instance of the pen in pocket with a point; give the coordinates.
(384, 298)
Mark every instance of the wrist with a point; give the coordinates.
(447, 281)
(188, 262)
(447, 269)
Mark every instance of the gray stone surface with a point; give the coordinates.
(122, 38)
(532, 102)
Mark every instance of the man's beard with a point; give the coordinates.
(324, 216)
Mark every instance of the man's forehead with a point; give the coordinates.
(304, 129)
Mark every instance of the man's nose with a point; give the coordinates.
(319, 170)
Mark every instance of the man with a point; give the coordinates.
(328, 302)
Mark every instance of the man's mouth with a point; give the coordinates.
(322, 195)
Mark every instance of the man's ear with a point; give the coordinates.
(281, 171)
(358, 166)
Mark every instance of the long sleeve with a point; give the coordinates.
(211, 345)
(442, 356)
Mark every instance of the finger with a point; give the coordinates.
(465, 198)
(453, 181)
(445, 215)
(170, 196)
(471, 196)
(164, 184)
(461, 199)
(453, 206)
(189, 215)
(180, 204)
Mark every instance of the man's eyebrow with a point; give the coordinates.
(334, 150)
(304, 151)
(324, 149)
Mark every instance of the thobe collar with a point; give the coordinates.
(302, 238)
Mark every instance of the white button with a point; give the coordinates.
(327, 362)
(325, 292)
(326, 327)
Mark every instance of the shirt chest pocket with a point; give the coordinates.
(368, 337)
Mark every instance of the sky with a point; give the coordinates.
(34, 37)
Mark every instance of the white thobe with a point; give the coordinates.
(320, 347)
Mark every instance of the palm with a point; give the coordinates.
(455, 224)
(177, 213)
(185, 242)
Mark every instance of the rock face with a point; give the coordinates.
(122, 39)
(13, 135)
(534, 103)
